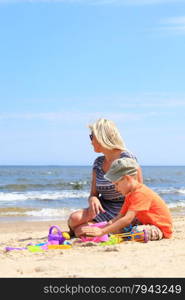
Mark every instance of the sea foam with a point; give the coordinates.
(35, 195)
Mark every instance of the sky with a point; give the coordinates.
(66, 63)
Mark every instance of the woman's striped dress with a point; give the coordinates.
(110, 199)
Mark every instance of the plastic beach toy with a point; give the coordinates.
(58, 240)
(14, 248)
(136, 236)
(96, 239)
(59, 246)
(17, 248)
(35, 248)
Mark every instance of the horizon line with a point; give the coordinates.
(82, 165)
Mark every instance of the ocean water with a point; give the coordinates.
(38, 193)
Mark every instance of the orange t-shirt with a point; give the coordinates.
(149, 208)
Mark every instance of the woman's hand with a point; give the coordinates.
(95, 206)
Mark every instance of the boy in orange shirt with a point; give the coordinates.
(140, 203)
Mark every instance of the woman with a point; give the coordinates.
(104, 201)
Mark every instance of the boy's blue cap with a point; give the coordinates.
(121, 167)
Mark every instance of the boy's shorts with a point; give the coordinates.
(154, 233)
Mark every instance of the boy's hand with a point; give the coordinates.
(91, 231)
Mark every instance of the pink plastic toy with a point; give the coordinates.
(96, 239)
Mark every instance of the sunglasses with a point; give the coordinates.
(91, 136)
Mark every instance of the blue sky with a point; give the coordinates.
(64, 64)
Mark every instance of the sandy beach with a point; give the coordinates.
(129, 259)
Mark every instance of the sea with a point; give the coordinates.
(46, 193)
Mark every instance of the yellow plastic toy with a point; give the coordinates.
(66, 235)
(59, 246)
(140, 236)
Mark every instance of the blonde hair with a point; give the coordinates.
(107, 134)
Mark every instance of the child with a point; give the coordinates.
(140, 203)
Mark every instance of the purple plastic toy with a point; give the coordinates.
(14, 248)
(96, 239)
(17, 248)
(55, 239)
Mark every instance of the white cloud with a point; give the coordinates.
(174, 25)
(150, 100)
(128, 108)
(81, 117)
(175, 20)
(99, 2)
(77, 117)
